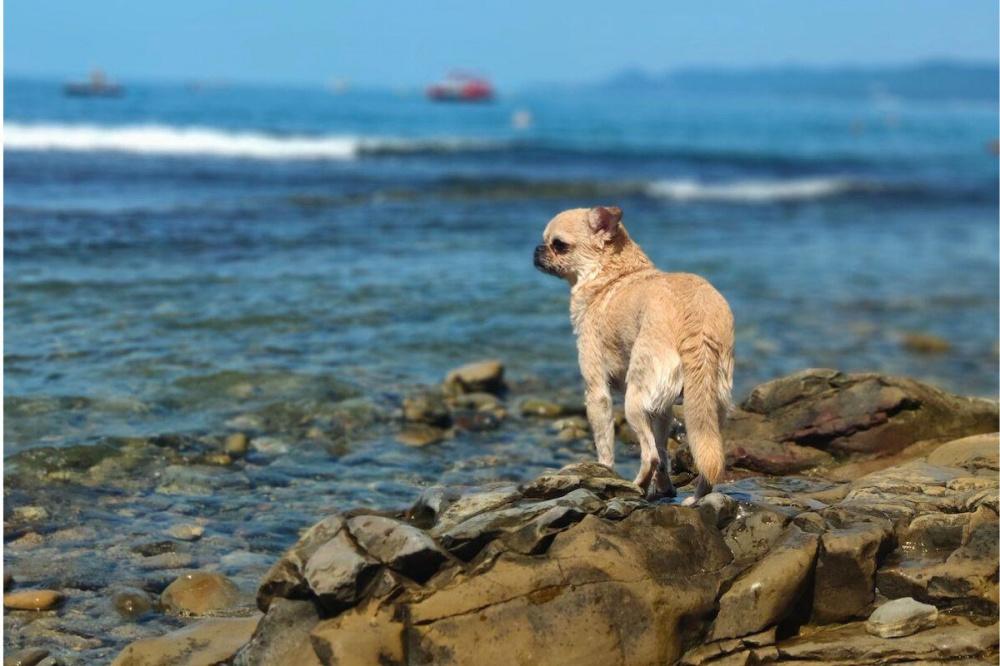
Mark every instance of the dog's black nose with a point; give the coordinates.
(539, 253)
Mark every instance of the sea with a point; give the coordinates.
(189, 261)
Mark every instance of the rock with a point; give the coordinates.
(588, 475)
(35, 600)
(282, 636)
(901, 617)
(775, 457)
(338, 573)
(286, 578)
(131, 603)
(972, 453)
(419, 434)
(860, 413)
(925, 343)
(25, 657)
(767, 591)
(851, 644)
(427, 407)
(475, 421)
(30, 514)
(401, 547)
(204, 643)
(236, 444)
(572, 428)
(469, 504)
(845, 571)
(478, 377)
(200, 593)
(542, 408)
(186, 531)
(8, 580)
(360, 637)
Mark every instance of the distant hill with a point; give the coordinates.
(928, 80)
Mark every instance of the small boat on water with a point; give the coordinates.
(460, 87)
(97, 85)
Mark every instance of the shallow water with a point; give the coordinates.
(303, 260)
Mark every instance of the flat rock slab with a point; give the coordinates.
(901, 617)
(204, 643)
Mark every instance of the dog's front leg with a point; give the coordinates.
(602, 421)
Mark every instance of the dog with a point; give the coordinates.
(654, 335)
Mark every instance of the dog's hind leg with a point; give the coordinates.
(653, 383)
(662, 485)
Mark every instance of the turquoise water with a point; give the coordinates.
(181, 264)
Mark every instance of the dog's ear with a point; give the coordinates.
(605, 220)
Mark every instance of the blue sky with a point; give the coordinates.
(515, 41)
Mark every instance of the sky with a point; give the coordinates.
(516, 42)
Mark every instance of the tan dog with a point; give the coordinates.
(650, 333)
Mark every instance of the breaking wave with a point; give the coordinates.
(759, 191)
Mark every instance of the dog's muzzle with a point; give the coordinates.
(540, 262)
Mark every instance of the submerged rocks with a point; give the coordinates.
(200, 593)
(35, 600)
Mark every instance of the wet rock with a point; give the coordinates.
(767, 591)
(419, 434)
(851, 644)
(282, 636)
(589, 475)
(32, 599)
(925, 343)
(901, 617)
(131, 603)
(478, 377)
(427, 407)
(25, 657)
(546, 409)
(338, 572)
(30, 514)
(236, 444)
(753, 531)
(845, 571)
(401, 547)
(186, 531)
(475, 421)
(775, 457)
(210, 641)
(472, 502)
(200, 593)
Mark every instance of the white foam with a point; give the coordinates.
(170, 140)
(754, 191)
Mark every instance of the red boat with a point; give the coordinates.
(460, 87)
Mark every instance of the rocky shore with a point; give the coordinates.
(858, 525)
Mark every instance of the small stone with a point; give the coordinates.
(478, 377)
(28, 514)
(236, 445)
(186, 532)
(25, 657)
(221, 459)
(542, 408)
(131, 603)
(32, 599)
(271, 446)
(427, 407)
(925, 343)
(901, 617)
(420, 434)
(200, 592)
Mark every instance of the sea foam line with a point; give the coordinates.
(754, 191)
(182, 141)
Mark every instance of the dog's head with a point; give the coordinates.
(575, 242)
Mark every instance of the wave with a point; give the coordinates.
(759, 191)
(202, 141)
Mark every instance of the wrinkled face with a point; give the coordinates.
(575, 240)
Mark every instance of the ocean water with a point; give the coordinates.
(190, 261)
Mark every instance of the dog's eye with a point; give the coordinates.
(559, 247)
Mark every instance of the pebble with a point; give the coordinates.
(270, 445)
(30, 513)
(419, 435)
(236, 445)
(186, 532)
(200, 592)
(131, 603)
(541, 408)
(32, 599)
(924, 343)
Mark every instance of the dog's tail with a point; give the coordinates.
(708, 381)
